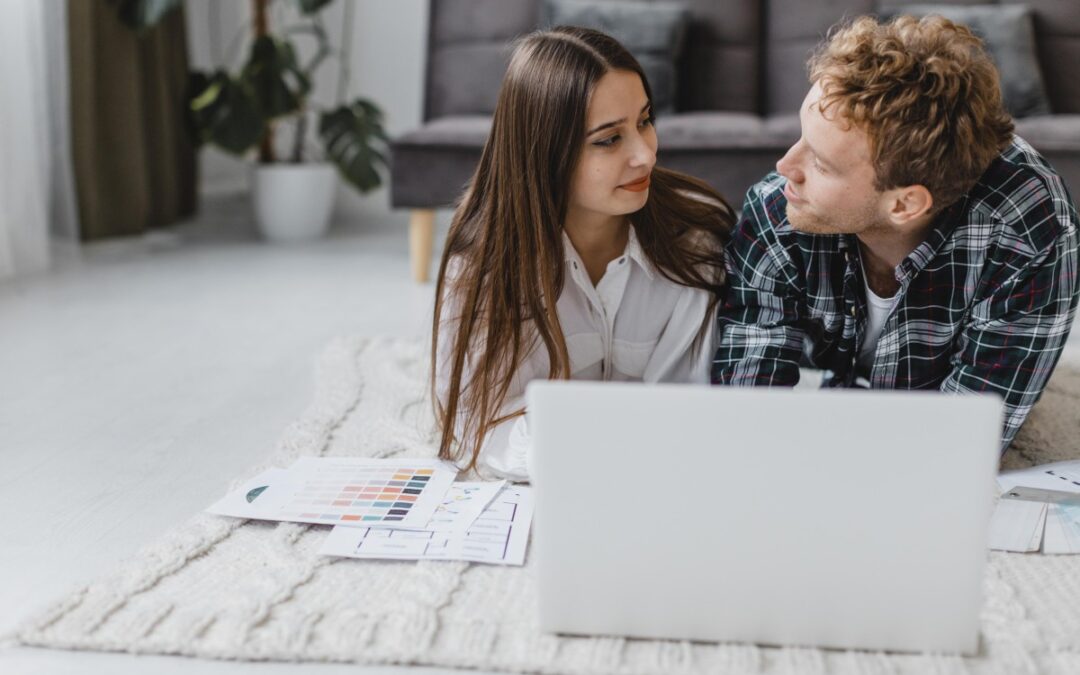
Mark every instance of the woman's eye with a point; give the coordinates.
(607, 142)
(819, 167)
(647, 122)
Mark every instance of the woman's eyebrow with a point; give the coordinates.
(615, 123)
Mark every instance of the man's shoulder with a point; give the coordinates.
(1023, 199)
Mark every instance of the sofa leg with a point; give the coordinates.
(421, 238)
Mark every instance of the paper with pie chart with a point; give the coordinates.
(350, 491)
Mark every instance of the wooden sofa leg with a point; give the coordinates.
(421, 238)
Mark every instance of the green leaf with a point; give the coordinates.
(274, 76)
(312, 6)
(356, 142)
(143, 14)
(224, 112)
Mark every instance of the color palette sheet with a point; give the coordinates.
(356, 492)
(500, 535)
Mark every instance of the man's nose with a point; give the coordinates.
(788, 166)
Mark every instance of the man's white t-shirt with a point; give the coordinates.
(878, 311)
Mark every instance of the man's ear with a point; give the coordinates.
(909, 204)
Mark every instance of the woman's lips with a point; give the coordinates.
(639, 185)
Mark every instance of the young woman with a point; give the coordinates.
(572, 255)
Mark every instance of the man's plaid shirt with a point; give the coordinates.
(987, 299)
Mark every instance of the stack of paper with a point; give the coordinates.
(1039, 510)
(391, 508)
(498, 533)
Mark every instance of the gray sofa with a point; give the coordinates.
(741, 78)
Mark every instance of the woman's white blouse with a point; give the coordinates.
(635, 325)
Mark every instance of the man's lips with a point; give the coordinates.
(637, 186)
(790, 194)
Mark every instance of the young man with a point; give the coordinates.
(908, 240)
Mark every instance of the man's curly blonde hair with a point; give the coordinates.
(927, 95)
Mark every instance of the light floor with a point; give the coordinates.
(139, 377)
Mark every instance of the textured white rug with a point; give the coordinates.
(221, 588)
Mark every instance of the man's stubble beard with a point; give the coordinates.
(811, 223)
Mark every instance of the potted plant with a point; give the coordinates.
(242, 113)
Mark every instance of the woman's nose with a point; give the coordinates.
(644, 153)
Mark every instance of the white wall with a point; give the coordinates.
(388, 43)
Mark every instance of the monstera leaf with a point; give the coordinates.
(143, 14)
(275, 77)
(224, 112)
(355, 140)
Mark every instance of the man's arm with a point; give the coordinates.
(1015, 335)
(760, 342)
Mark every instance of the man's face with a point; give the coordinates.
(830, 180)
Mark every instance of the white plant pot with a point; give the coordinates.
(293, 202)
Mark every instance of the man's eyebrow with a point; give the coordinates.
(819, 156)
(615, 123)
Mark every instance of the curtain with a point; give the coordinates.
(25, 189)
(63, 214)
(134, 161)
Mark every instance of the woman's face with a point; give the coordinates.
(612, 174)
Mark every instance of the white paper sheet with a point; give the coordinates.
(1063, 476)
(1050, 524)
(1017, 525)
(1062, 531)
(353, 491)
(258, 498)
(499, 536)
(463, 504)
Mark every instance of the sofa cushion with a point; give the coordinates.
(653, 33)
(462, 131)
(469, 45)
(1049, 133)
(793, 28)
(1009, 35)
(683, 131)
(710, 131)
(1057, 36)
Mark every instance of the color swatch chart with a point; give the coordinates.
(500, 534)
(345, 491)
(351, 492)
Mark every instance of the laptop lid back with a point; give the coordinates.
(833, 518)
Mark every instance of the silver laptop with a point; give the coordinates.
(847, 519)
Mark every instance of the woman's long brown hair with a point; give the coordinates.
(506, 235)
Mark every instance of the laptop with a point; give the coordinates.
(828, 518)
